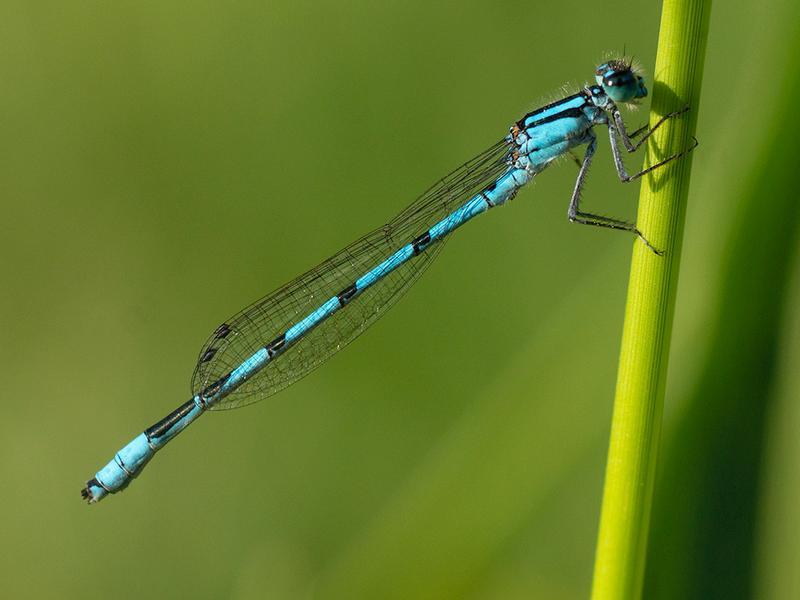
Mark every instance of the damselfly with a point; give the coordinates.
(285, 335)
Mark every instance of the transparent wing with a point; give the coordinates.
(246, 332)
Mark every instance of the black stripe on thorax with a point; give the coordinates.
(533, 113)
(564, 114)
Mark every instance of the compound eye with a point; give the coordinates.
(619, 79)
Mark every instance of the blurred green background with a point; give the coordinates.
(164, 164)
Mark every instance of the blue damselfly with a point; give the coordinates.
(285, 335)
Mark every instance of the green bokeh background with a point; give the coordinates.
(164, 164)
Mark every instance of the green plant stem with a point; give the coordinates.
(638, 404)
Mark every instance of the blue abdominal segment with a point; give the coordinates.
(132, 458)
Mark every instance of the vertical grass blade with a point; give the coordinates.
(638, 404)
(706, 513)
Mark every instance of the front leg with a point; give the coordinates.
(576, 216)
(615, 150)
(627, 139)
